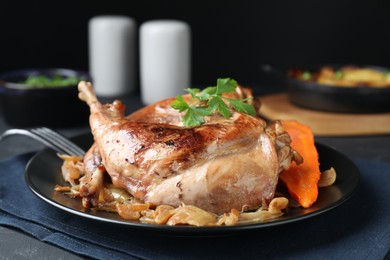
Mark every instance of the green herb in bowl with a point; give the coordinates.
(41, 81)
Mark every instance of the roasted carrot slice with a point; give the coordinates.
(302, 180)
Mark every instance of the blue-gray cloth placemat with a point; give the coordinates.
(358, 229)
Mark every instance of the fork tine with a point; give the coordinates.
(58, 140)
(52, 139)
(67, 144)
(48, 137)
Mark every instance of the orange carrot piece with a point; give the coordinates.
(302, 180)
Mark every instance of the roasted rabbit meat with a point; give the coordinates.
(217, 166)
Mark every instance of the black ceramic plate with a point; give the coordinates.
(43, 173)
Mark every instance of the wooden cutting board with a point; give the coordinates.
(277, 106)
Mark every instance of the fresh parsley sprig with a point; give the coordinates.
(209, 100)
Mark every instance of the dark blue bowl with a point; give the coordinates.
(24, 106)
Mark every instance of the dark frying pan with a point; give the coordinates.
(320, 97)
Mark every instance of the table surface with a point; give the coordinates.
(17, 245)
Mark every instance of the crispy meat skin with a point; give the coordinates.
(220, 165)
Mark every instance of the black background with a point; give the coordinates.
(229, 38)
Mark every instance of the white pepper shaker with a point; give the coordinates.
(112, 56)
(165, 59)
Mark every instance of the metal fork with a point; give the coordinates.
(48, 137)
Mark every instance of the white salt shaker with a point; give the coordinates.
(165, 59)
(112, 56)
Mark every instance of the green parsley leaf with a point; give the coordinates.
(192, 91)
(207, 93)
(209, 101)
(241, 106)
(226, 85)
(180, 104)
(193, 117)
(216, 103)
